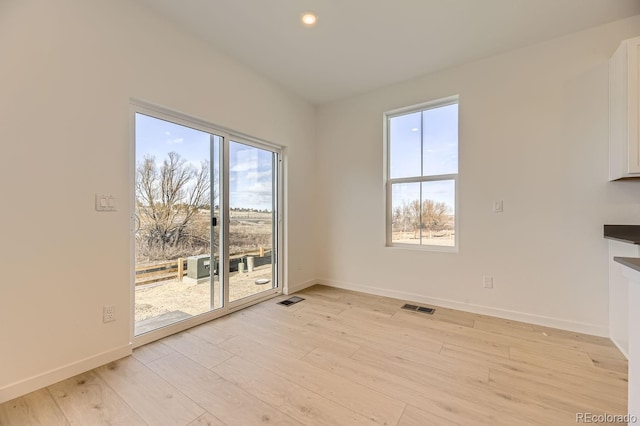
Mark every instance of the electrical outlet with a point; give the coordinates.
(487, 281)
(108, 313)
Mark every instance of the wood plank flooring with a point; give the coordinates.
(343, 358)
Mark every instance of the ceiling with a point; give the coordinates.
(361, 45)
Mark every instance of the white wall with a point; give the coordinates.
(67, 72)
(533, 132)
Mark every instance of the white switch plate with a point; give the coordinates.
(487, 281)
(105, 203)
(498, 206)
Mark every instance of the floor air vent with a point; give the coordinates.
(422, 309)
(291, 301)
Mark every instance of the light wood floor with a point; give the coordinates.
(343, 358)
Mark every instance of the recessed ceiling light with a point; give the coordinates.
(309, 19)
(415, 129)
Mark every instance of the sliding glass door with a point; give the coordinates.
(205, 222)
(252, 220)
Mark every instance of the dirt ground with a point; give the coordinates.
(447, 239)
(168, 296)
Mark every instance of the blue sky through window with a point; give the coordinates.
(250, 169)
(250, 177)
(424, 143)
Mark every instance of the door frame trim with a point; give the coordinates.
(163, 113)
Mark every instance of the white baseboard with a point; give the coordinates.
(301, 286)
(40, 381)
(620, 348)
(563, 324)
(31, 384)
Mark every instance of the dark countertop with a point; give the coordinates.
(625, 233)
(631, 262)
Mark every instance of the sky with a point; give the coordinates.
(424, 144)
(421, 144)
(250, 169)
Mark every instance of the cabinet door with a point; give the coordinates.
(624, 111)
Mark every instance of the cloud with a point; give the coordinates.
(176, 141)
(260, 188)
(195, 164)
(251, 200)
(244, 166)
(251, 194)
(253, 175)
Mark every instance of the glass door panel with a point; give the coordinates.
(177, 200)
(252, 220)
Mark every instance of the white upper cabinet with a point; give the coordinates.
(624, 111)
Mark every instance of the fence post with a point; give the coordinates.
(180, 268)
(261, 251)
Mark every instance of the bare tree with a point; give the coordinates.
(397, 217)
(434, 215)
(167, 199)
(414, 216)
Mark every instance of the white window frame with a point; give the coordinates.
(388, 181)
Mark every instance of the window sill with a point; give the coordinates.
(415, 247)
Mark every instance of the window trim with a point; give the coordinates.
(388, 181)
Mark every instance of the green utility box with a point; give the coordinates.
(198, 266)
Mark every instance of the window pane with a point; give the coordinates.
(404, 145)
(251, 219)
(173, 192)
(438, 213)
(440, 139)
(405, 213)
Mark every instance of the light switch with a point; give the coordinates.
(497, 206)
(105, 203)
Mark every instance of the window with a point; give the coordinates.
(422, 175)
